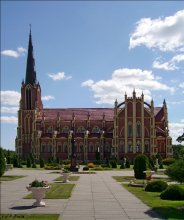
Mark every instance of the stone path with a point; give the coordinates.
(95, 197)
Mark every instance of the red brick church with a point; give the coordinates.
(129, 128)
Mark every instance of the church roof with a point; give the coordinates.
(79, 113)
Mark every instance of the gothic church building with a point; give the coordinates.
(130, 128)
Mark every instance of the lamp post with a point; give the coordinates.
(73, 167)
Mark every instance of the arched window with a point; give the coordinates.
(28, 98)
(96, 129)
(49, 147)
(49, 130)
(65, 147)
(65, 130)
(97, 147)
(138, 147)
(81, 129)
(146, 147)
(107, 147)
(43, 148)
(122, 146)
(138, 129)
(91, 147)
(81, 147)
(130, 148)
(130, 133)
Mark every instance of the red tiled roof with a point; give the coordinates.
(156, 110)
(79, 113)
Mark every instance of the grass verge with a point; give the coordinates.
(166, 208)
(71, 178)
(29, 216)
(10, 178)
(129, 178)
(57, 191)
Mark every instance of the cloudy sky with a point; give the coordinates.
(87, 54)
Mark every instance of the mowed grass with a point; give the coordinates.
(10, 178)
(57, 191)
(29, 216)
(166, 208)
(129, 178)
(71, 178)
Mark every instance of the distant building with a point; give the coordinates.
(130, 128)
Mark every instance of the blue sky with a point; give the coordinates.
(87, 54)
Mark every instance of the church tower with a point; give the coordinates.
(29, 107)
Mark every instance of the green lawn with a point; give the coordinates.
(128, 178)
(71, 178)
(166, 208)
(29, 216)
(10, 178)
(57, 191)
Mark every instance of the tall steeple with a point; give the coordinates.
(30, 70)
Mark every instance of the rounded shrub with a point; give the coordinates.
(122, 166)
(168, 161)
(91, 165)
(42, 163)
(33, 165)
(113, 164)
(127, 164)
(141, 164)
(173, 192)
(156, 186)
(86, 168)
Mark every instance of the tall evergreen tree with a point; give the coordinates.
(2, 162)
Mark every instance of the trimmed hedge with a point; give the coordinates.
(173, 192)
(141, 164)
(168, 161)
(86, 168)
(156, 186)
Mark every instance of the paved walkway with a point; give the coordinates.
(95, 197)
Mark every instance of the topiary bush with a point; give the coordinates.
(113, 164)
(2, 162)
(42, 163)
(91, 165)
(28, 162)
(122, 166)
(168, 161)
(34, 165)
(173, 192)
(86, 168)
(141, 164)
(127, 164)
(176, 171)
(156, 186)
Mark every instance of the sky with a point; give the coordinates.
(89, 53)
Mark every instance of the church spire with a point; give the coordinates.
(30, 69)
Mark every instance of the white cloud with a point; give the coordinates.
(182, 120)
(10, 98)
(125, 80)
(170, 65)
(176, 130)
(175, 102)
(165, 34)
(11, 110)
(48, 97)
(14, 53)
(9, 119)
(181, 85)
(59, 76)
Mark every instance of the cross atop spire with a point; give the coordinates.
(30, 69)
